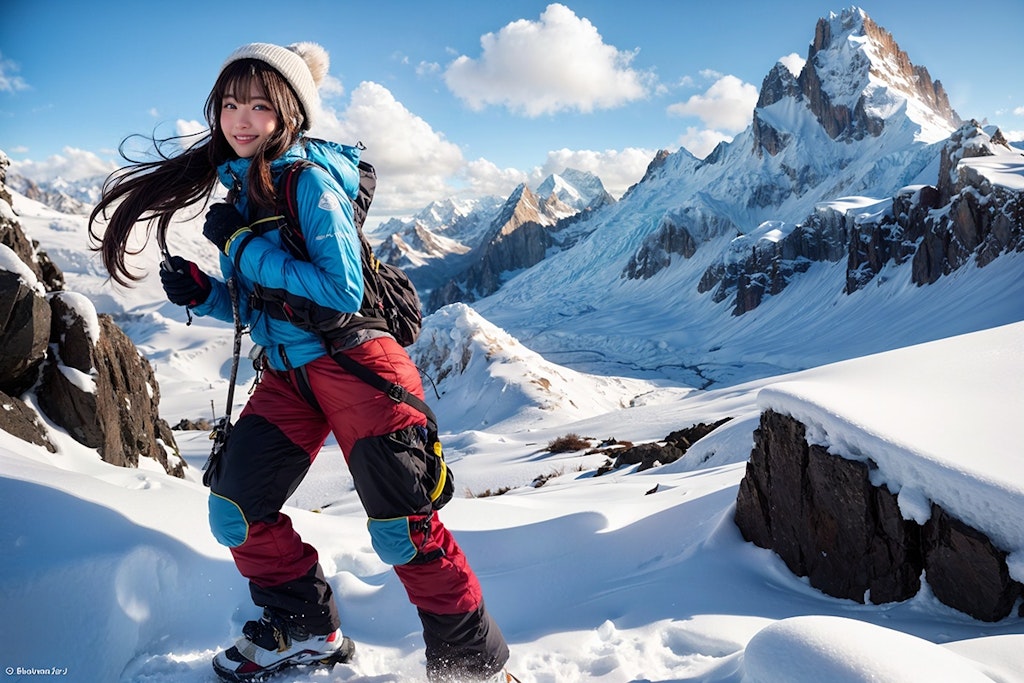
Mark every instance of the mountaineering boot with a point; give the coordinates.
(272, 644)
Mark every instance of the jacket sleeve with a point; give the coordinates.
(333, 276)
(218, 303)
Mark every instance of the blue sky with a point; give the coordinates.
(441, 112)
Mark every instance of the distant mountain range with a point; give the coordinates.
(858, 120)
(855, 171)
(855, 168)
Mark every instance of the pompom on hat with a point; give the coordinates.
(303, 65)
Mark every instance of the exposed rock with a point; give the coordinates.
(819, 512)
(656, 252)
(86, 374)
(24, 333)
(780, 83)
(895, 237)
(940, 228)
(186, 425)
(965, 570)
(982, 220)
(680, 232)
(19, 420)
(647, 455)
(675, 445)
(762, 264)
(684, 438)
(103, 392)
(943, 228)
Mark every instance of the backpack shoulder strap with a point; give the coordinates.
(367, 186)
(288, 205)
(396, 392)
(287, 196)
(288, 192)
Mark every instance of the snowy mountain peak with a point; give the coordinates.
(856, 77)
(576, 189)
(856, 83)
(522, 206)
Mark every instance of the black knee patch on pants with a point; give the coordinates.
(401, 479)
(257, 472)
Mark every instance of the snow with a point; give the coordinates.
(628, 576)
(111, 574)
(1005, 168)
(83, 309)
(10, 262)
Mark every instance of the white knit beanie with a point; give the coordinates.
(303, 65)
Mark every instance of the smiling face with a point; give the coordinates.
(252, 112)
(247, 120)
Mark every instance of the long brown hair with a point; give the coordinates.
(153, 191)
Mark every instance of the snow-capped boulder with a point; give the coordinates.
(820, 512)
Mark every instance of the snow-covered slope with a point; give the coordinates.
(590, 579)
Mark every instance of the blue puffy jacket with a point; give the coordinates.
(333, 275)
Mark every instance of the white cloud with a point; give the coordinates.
(331, 87)
(73, 165)
(417, 165)
(1019, 111)
(428, 69)
(484, 178)
(9, 80)
(191, 131)
(617, 169)
(701, 142)
(558, 63)
(793, 62)
(414, 162)
(727, 105)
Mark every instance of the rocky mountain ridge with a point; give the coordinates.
(457, 250)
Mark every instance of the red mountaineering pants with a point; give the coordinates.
(280, 431)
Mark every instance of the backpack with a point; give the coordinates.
(388, 293)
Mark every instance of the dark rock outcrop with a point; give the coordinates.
(24, 333)
(820, 513)
(672, 447)
(941, 228)
(87, 376)
(17, 419)
(965, 570)
(104, 393)
(679, 232)
(938, 228)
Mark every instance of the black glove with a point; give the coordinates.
(184, 283)
(222, 221)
